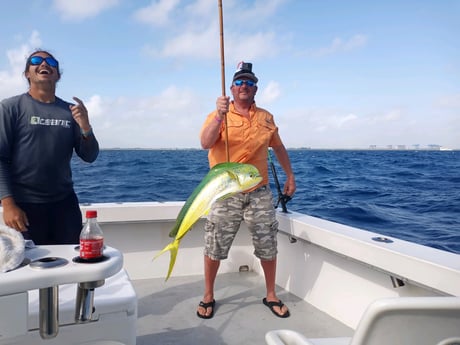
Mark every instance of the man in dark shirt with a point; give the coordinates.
(38, 134)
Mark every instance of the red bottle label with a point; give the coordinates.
(91, 248)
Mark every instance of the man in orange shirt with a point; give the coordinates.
(251, 131)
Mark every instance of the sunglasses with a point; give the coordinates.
(37, 60)
(240, 82)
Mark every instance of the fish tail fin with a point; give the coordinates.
(173, 247)
(173, 255)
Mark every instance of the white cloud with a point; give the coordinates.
(269, 94)
(147, 122)
(339, 45)
(252, 12)
(157, 13)
(344, 120)
(202, 8)
(196, 30)
(205, 44)
(192, 44)
(450, 101)
(96, 106)
(391, 115)
(82, 9)
(251, 47)
(12, 80)
(333, 121)
(339, 128)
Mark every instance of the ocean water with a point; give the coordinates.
(410, 195)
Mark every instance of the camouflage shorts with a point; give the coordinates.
(224, 219)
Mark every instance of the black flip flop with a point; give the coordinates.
(211, 304)
(279, 304)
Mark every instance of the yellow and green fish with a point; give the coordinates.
(222, 181)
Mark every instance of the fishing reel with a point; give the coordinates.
(283, 199)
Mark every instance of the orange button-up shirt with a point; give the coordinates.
(248, 139)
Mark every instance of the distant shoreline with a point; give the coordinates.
(289, 148)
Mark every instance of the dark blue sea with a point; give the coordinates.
(410, 195)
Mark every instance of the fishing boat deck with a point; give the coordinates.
(167, 312)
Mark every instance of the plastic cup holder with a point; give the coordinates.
(79, 260)
(48, 262)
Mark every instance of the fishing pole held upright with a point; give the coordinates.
(222, 69)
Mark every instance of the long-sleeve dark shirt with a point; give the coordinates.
(37, 141)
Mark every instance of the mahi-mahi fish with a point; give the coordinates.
(222, 181)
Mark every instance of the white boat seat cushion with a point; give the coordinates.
(289, 337)
(396, 321)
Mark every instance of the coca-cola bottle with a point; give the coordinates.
(91, 239)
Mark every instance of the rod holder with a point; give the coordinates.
(49, 312)
(84, 304)
(397, 282)
(48, 316)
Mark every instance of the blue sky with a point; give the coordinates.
(335, 74)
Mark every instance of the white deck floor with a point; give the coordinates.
(167, 312)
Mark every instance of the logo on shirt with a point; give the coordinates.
(37, 120)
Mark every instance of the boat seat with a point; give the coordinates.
(396, 321)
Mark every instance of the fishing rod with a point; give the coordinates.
(222, 70)
(283, 199)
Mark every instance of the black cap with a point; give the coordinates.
(244, 70)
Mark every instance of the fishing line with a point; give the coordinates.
(283, 199)
(222, 69)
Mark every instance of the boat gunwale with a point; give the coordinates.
(404, 260)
